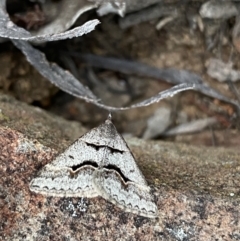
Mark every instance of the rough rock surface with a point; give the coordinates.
(196, 188)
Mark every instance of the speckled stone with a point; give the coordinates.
(196, 188)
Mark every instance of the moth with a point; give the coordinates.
(99, 163)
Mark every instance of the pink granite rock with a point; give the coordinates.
(196, 188)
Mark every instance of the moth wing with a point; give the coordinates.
(70, 173)
(127, 195)
(77, 154)
(119, 154)
(64, 182)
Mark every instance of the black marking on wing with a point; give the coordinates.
(86, 163)
(98, 147)
(118, 170)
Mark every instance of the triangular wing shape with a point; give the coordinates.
(129, 196)
(116, 152)
(63, 182)
(105, 135)
(70, 174)
(98, 163)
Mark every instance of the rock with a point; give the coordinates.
(37, 124)
(196, 188)
(221, 71)
(158, 123)
(218, 9)
(20, 79)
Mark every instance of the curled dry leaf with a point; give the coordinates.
(63, 14)
(56, 75)
(9, 30)
(170, 75)
(68, 83)
(122, 7)
(148, 14)
(191, 127)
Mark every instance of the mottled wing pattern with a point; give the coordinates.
(70, 174)
(98, 163)
(63, 182)
(127, 195)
